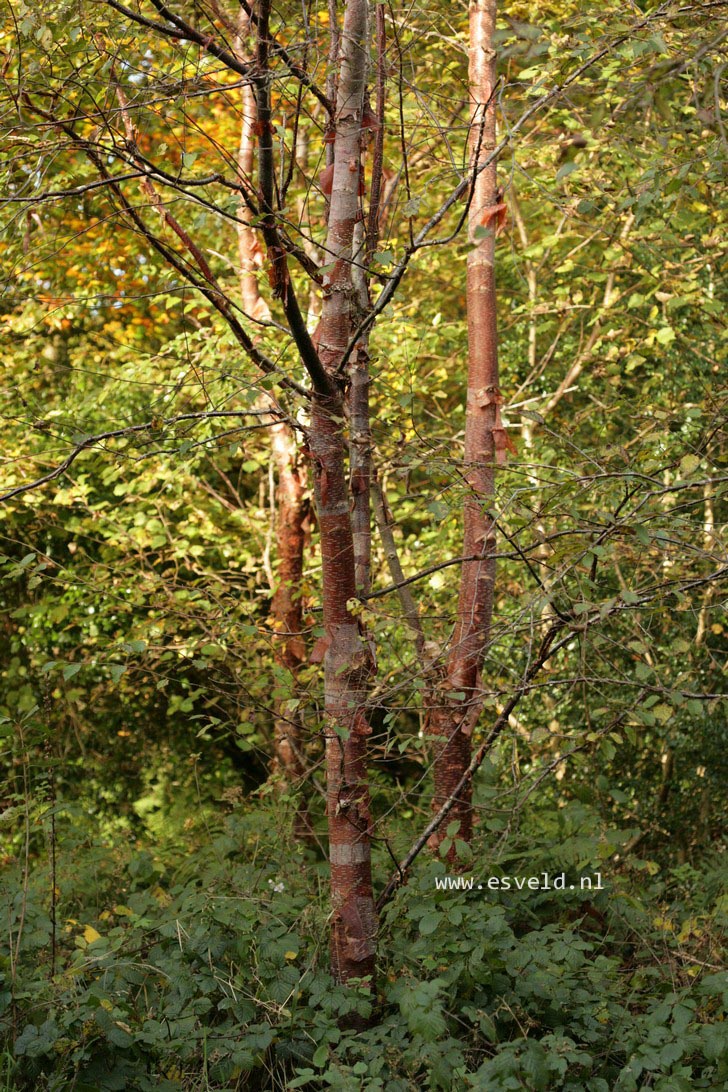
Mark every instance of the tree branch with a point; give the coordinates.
(420, 240)
(409, 607)
(279, 276)
(545, 653)
(152, 426)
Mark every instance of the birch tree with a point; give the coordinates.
(227, 190)
(459, 701)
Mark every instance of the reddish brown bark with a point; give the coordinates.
(250, 254)
(459, 702)
(348, 663)
(360, 430)
(347, 668)
(360, 435)
(286, 608)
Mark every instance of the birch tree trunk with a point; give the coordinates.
(348, 662)
(286, 609)
(459, 702)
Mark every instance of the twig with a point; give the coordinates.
(409, 607)
(112, 434)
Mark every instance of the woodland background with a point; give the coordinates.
(164, 856)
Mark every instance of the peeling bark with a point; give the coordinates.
(360, 442)
(286, 609)
(348, 663)
(348, 666)
(250, 253)
(360, 430)
(459, 700)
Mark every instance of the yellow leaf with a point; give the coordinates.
(661, 922)
(90, 934)
(161, 895)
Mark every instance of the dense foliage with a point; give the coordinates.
(206, 967)
(165, 928)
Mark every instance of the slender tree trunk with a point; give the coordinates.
(348, 663)
(360, 431)
(459, 702)
(250, 254)
(364, 247)
(709, 544)
(286, 609)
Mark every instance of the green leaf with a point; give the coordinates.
(663, 712)
(688, 465)
(429, 922)
(463, 850)
(305, 1076)
(438, 509)
(321, 1056)
(566, 169)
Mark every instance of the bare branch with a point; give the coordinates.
(547, 650)
(409, 607)
(153, 427)
(280, 278)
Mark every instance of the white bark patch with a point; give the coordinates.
(347, 854)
